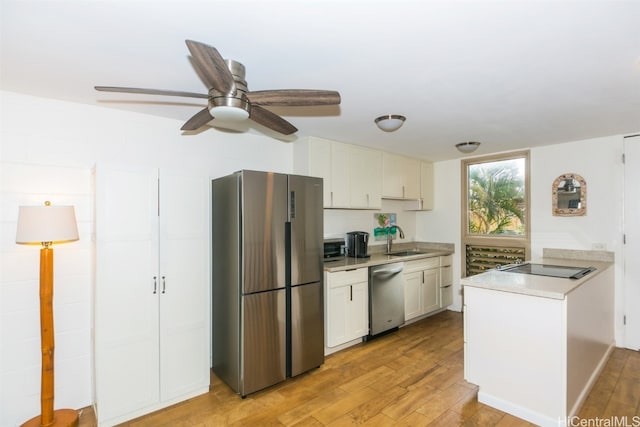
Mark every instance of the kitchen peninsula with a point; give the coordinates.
(535, 344)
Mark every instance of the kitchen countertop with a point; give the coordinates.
(377, 257)
(540, 286)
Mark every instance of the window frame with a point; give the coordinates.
(523, 241)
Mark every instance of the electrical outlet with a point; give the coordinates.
(598, 246)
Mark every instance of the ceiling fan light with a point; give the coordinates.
(234, 114)
(468, 146)
(390, 122)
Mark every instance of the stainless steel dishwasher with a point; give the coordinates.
(386, 298)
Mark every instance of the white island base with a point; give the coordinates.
(536, 347)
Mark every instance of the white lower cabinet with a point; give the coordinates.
(422, 287)
(151, 324)
(446, 281)
(412, 291)
(347, 306)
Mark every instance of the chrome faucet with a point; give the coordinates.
(389, 239)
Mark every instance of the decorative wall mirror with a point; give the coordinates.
(569, 195)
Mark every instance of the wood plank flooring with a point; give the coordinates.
(412, 377)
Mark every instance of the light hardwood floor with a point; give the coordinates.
(412, 377)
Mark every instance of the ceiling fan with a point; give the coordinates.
(229, 97)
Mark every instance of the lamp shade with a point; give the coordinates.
(38, 224)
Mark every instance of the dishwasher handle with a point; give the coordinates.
(387, 271)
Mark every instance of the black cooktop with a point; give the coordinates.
(549, 270)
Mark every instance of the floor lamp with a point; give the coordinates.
(46, 225)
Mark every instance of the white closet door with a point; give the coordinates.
(632, 246)
(126, 310)
(184, 289)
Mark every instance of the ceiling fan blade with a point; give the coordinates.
(211, 63)
(196, 122)
(294, 97)
(204, 78)
(150, 91)
(272, 121)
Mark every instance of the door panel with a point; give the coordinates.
(338, 315)
(307, 328)
(264, 214)
(430, 290)
(184, 282)
(632, 237)
(412, 286)
(264, 340)
(306, 216)
(127, 344)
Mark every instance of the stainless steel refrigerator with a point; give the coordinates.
(268, 312)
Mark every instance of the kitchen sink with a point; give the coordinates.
(406, 253)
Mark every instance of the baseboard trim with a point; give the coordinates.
(519, 411)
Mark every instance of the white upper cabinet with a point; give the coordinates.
(359, 178)
(365, 168)
(352, 175)
(426, 186)
(400, 177)
(340, 182)
(320, 166)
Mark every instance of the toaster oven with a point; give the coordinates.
(334, 249)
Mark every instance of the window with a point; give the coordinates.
(495, 206)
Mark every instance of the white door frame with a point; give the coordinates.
(631, 247)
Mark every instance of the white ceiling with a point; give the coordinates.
(511, 74)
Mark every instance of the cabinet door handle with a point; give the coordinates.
(155, 284)
(332, 198)
(350, 293)
(164, 284)
(403, 191)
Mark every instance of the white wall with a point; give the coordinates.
(47, 151)
(598, 161)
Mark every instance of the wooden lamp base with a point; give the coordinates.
(48, 417)
(61, 418)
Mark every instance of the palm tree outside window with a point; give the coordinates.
(495, 220)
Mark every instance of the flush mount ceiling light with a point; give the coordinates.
(390, 122)
(467, 147)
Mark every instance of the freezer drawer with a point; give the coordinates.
(263, 355)
(306, 328)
